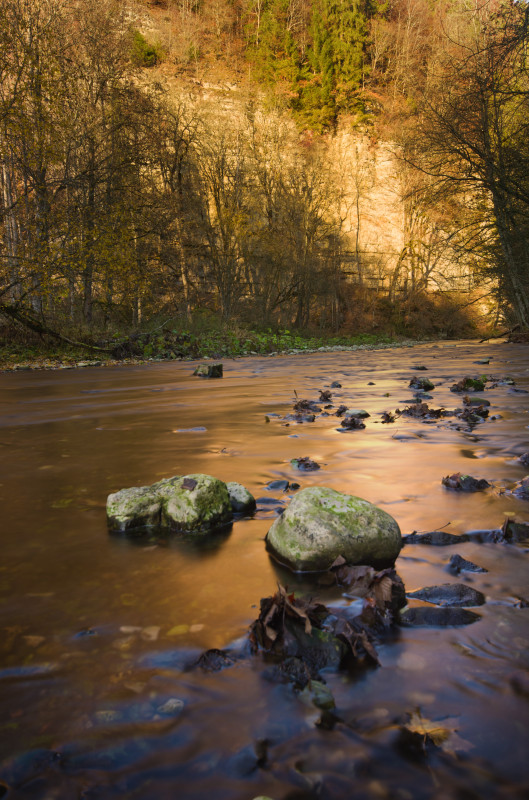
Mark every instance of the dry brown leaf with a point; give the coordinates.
(436, 732)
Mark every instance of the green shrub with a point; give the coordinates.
(143, 53)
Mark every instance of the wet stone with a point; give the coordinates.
(350, 423)
(521, 489)
(464, 483)
(321, 524)
(209, 371)
(423, 384)
(300, 418)
(269, 501)
(475, 401)
(214, 660)
(359, 413)
(242, 501)
(277, 486)
(468, 385)
(459, 564)
(511, 532)
(437, 617)
(449, 594)
(435, 538)
(305, 464)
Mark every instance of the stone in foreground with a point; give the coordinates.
(321, 524)
(190, 503)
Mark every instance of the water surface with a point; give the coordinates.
(97, 631)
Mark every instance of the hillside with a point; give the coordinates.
(282, 164)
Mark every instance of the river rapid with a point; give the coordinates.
(98, 631)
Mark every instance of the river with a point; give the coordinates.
(97, 631)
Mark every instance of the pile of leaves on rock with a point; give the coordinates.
(298, 637)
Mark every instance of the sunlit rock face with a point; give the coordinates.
(188, 503)
(321, 524)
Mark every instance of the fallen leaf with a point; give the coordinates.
(178, 630)
(435, 732)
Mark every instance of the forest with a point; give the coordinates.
(135, 192)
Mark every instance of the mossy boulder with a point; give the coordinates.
(321, 524)
(189, 503)
(195, 502)
(137, 507)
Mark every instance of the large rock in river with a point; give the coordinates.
(189, 503)
(321, 524)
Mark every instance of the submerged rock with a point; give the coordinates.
(189, 503)
(214, 660)
(521, 488)
(423, 616)
(321, 524)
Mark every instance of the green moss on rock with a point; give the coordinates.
(187, 503)
(321, 524)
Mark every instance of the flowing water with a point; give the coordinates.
(97, 631)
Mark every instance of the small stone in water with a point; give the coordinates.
(458, 564)
(435, 538)
(449, 594)
(464, 483)
(305, 464)
(209, 371)
(172, 706)
(277, 486)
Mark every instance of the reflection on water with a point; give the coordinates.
(97, 632)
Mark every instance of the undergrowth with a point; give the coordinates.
(170, 340)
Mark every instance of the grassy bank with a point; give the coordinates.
(22, 351)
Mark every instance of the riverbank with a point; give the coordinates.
(13, 358)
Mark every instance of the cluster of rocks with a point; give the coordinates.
(344, 540)
(189, 503)
(319, 525)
